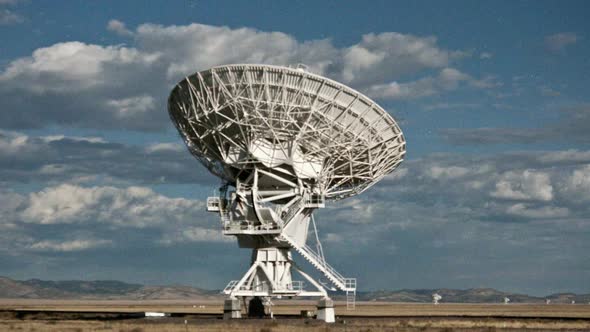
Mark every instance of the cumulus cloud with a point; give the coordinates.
(59, 158)
(449, 79)
(434, 206)
(380, 57)
(96, 216)
(119, 28)
(466, 136)
(84, 85)
(450, 172)
(194, 234)
(525, 185)
(121, 87)
(76, 66)
(132, 206)
(510, 184)
(559, 41)
(573, 126)
(570, 156)
(577, 185)
(442, 207)
(522, 210)
(190, 48)
(75, 245)
(132, 107)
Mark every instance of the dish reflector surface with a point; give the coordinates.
(237, 117)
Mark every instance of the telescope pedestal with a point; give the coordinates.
(326, 310)
(270, 276)
(232, 309)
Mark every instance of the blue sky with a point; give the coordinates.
(492, 98)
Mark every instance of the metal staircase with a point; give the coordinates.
(230, 287)
(346, 284)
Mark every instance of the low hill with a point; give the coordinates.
(100, 289)
(473, 295)
(118, 290)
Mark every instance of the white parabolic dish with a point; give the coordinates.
(236, 116)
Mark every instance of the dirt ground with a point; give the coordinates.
(126, 316)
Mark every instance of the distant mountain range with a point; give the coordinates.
(110, 289)
(473, 295)
(100, 289)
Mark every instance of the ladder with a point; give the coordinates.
(351, 300)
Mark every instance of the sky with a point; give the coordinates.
(492, 97)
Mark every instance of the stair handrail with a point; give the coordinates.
(331, 273)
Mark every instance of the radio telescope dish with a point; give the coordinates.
(436, 297)
(283, 141)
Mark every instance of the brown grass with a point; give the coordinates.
(402, 317)
(292, 326)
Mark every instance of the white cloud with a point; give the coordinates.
(13, 143)
(449, 79)
(66, 246)
(133, 106)
(559, 41)
(376, 58)
(8, 17)
(485, 55)
(379, 58)
(195, 47)
(415, 208)
(194, 234)
(89, 139)
(353, 210)
(82, 218)
(165, 147)
(548, 91)
(451, 106)
(84, 85)
(487, 82)
(522, 210)
(398, 174)
(451, 172)
(73, 66)
(10, 205)
(526, 185)
(132, 206)
(115, 86)
(577, 185)
(573, 125)
(119, 28)
(58, 158)
(570, 155)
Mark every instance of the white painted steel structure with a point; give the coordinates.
(283, 141)
(436, 297)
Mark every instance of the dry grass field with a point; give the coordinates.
(74, 316)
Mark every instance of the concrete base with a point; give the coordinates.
(326, 310)
(232, 309)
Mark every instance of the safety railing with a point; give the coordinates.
(345, 284)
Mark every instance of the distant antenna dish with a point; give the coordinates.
(435, 298)
(547, 301)
(506, 300)
(283, 141)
